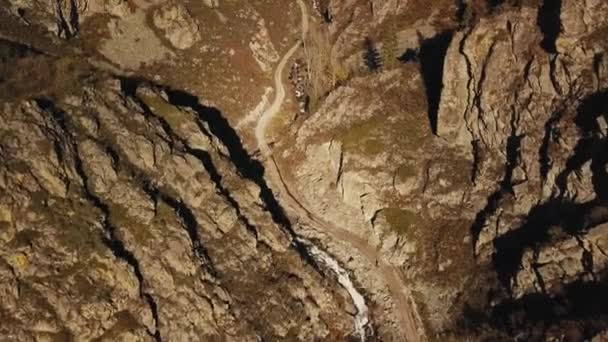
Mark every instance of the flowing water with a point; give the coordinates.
(361, 318)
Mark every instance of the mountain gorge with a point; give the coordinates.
(324, 170)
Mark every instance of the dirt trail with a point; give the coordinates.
(406, 315)
(279, 86)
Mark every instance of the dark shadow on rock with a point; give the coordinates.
(110, 238)
(505, 189)
(493, 4)
(410, 55)
(549, 137)
(570, 217)
(432, 57)
(578, 311)
(561, 211)
(190, 223)
(591, 146)
(462, 7)
(583, 303)
(11, 50)
(550, 23)
(247, 166)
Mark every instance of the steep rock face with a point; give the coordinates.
(354, 155)
(539, 115)
(123, 219)
(544, 112)
(355, 167)
(497, 221)
(563, 261)
(461, 144)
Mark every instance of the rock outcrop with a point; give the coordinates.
(123, 218)
(451, 150)
(492, 199)
(212, 3)
(177, 24)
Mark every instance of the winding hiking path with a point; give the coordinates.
(406, 315)
(279, 87)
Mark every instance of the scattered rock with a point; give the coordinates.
(212, 3)
(178, 25)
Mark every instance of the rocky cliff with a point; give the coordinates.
(476, 165)
(125, 218)
(437, 171)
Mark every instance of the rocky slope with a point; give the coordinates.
(477, 164)
(451, 150)
(124, 218)
(131, 211)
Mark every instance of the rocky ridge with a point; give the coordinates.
(476, 166)
(464, 141)
(131, 189)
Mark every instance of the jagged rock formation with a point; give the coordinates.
(474, 163)
(478, 165)
(546, 116)
(124, 218)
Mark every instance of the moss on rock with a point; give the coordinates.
(173, 115)
(401, 221)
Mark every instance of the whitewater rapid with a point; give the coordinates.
(362, 316)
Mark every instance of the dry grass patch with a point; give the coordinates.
(401, 221)
(279, 124)
(37, 76)
(173, 115)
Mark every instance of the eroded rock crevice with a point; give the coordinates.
(110, 239)
(550, 23)
(190, 224)
(250, 168)
(129, 87)
(68, 17)
(470, 80)
(205, 159)
(550, 137)
(432, 57)
(512, 160)
(247, 166)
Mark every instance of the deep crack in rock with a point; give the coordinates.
(550, 23)
(110, 240)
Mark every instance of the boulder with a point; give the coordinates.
(178, 26)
